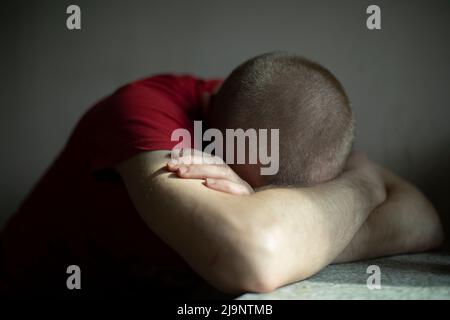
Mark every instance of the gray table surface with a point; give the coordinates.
(413, 276)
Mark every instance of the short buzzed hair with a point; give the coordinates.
(304, 101)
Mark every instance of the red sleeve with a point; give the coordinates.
(142, 116)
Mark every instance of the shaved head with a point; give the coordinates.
(300, 98)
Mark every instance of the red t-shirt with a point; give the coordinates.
(80, 213)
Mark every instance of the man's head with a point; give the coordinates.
(300, 98)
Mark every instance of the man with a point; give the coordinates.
(133, 218)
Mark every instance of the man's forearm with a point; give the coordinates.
(405, 222)
(256, 242)
(311, 235)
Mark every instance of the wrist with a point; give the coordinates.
(367, 176)
(370, 185)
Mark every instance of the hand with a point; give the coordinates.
(194, 164)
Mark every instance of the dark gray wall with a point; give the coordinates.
(397, 78)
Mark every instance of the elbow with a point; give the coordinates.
(265, 270)
(249, 281)
(259, 279)
(429, 242)
(253, 264)
(260, 285)
(432, 233)
(254, 279)
(436, 236)
(270, 264)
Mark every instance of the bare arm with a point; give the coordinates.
(256, 242)
(405, 222)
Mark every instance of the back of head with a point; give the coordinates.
(300, 98)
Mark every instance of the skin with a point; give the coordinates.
(240, 239)
(405, 222)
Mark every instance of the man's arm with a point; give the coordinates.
(256, 242)
(405, 222)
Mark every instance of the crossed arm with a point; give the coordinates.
(405, 222)
(264, 240)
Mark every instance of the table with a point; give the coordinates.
(412, 276)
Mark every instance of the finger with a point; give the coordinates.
(190, 152)
(228, 186)
(198, 154)
(175, 154)
(186, 161)
(196, 158)
(180, 154)
(172, 166)
(203, 171)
